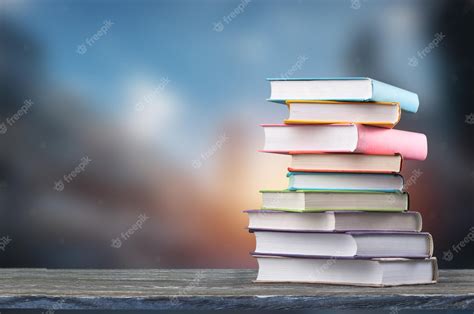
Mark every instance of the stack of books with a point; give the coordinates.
(344, 218)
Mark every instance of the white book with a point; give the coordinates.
(346, 163)
(334, 221)
(341, 89)
(344, 244)
(319, 112)
(369, 272)
(313, 201)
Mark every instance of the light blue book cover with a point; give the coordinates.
(292, 186)
(381, 92)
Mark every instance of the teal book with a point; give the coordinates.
(341, 89)
(330, 181)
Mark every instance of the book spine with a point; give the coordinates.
(384, 92)
(434, 262)
(401, 163)
(430, 244)
(419, 221)
(410, 145)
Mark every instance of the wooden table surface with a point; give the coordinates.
(215, 289)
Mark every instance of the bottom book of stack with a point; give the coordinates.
(347, 270)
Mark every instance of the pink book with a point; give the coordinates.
(344, 138)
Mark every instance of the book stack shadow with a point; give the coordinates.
(345, 216)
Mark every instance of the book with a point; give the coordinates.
(341, 89)
(315, 201)
(334, 221)
(360, 244)
(346, 162)
(382, 114)
(377, 272)
(326, 181)
(344, 138)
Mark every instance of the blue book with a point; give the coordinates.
(341, 89)
(327, 181)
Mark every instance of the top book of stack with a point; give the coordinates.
(356, 89)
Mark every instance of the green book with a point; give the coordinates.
(317, 201)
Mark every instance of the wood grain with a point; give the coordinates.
(216, 289)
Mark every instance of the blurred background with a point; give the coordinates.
(129, 129)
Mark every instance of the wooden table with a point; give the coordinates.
(157, 289)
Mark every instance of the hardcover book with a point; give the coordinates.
(334, 221)
(317, 201)
(341, 89)
(326, 181)
(361, 244)
(383, 114)
(376, 272)
(349, 138)
(340, 162)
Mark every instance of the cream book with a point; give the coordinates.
(318, 201)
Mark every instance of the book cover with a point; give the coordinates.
(380, 91)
